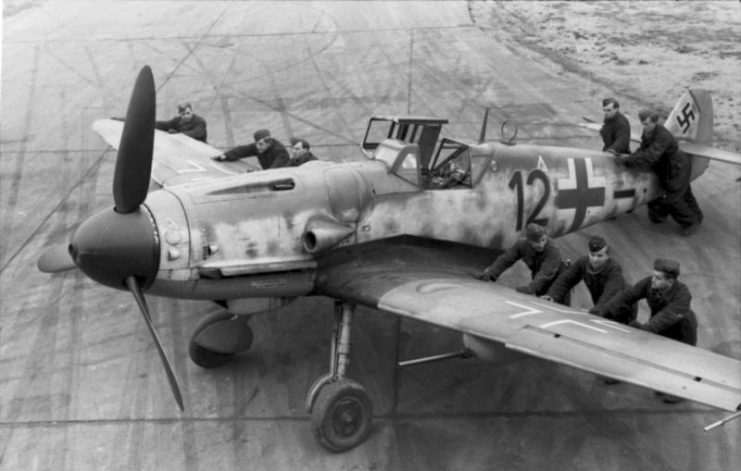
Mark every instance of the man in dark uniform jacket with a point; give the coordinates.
(270, 152)
(538, 252)
(186, 122)
(669, 301)
(300, 152)
(615, 129)
(603, 277)
(660, 150)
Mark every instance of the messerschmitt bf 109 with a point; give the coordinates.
(389, 233)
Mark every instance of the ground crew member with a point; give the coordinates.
(660, 151)
(300, 152)
(186, 122)
(603, 277)
(270, 152)
(669, 301)
(615, 129)
(538, 252)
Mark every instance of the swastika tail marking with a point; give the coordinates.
(687, 117)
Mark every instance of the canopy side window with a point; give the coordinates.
(457, 165)
(407, 165)
(401, 159)
(451, 167)
(420, 130)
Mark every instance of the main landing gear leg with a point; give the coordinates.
(341, 412)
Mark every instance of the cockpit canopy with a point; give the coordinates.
(407, 146)
(420, 130)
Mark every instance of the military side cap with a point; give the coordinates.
(261, 134)
(596, 244)
(534, 232)
(668, 266)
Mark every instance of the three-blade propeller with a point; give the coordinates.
(119, 248)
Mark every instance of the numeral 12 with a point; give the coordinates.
(516, 184)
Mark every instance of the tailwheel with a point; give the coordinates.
(342, 415)
(217, 338)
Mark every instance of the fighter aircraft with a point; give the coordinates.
(392, 232)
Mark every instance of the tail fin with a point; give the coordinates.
(692, 117)
(691, 120)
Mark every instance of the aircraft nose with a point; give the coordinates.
(109, 246)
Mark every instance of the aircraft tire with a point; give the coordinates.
(342, 415)
(204, 357)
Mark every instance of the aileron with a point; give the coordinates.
(676, 378)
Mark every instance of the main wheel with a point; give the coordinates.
(342, 415)
(207, 358)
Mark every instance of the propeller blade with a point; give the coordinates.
(134, 161)
(55, 259)
(133, 286)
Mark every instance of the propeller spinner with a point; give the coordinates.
(120, 248)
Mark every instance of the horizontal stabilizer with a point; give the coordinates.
(701, 150)
(694, 148)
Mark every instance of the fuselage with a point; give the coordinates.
(258, 234)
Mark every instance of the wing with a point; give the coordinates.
(177, 158)
(694, 148)
(454, 300)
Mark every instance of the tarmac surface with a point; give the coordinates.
(81, 387)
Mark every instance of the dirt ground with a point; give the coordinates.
(626, 46)
(629, 46)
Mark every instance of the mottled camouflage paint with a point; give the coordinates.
(243, 220)
(486, 215)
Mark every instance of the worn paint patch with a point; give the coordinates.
(251, 249)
